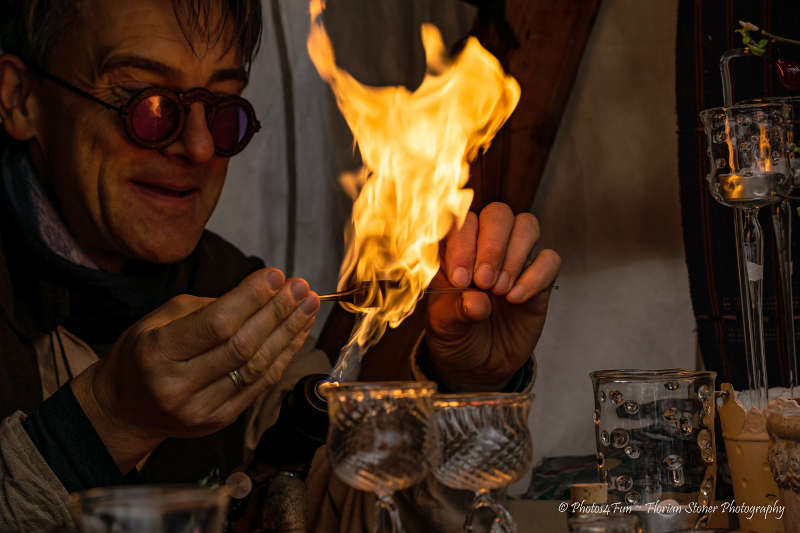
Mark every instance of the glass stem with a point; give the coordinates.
(782, 228)
(725, 72)
(385, 505)
(750, 255)
(503, 523)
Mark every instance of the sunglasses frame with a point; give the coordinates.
(183, 99)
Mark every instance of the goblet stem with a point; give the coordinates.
(503, 523)
(385, 504)
(750, 255)
(782, 228)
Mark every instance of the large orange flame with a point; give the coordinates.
(416, 148)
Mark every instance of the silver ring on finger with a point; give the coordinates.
(237, 379)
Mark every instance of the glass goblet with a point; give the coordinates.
(378, 439)
(482, 442)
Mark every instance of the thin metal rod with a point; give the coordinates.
(342, 295)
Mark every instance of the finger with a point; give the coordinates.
(272, 327)
(225, 396)
(523, 238)
(459, 254)
(537, 278)
(175, 308)
(298, 324)
(496, 222)
(217, 322)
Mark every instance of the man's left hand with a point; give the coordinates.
(478, 339)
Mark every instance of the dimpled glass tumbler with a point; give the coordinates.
(378, 439)
(655, 438)
(482, 442)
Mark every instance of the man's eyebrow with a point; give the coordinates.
(142, 63)
(130, 61)
(227, 74)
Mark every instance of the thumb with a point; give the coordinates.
(452, 314)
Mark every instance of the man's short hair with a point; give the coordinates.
(30, 28)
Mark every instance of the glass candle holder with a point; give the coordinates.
(748, 153)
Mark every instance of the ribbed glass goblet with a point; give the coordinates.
(482, 442)
(378, 439)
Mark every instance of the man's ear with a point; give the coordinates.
(16, 98)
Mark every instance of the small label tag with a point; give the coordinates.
(754, 272)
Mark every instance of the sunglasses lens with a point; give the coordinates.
(230, 126)
(155, 118)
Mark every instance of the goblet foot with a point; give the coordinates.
(503, 523)
(386, 510)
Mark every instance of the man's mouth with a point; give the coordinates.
(166, 190)
(172, 196)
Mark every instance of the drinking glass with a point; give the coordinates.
(655, 440)
(150, 509)
(377, 438)
(482, 442)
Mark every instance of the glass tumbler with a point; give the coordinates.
(150, 509)
(377, 438)
(655, 435)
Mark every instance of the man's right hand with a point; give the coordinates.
(168, 374)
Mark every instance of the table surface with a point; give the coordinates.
(538, 516)
(543, 516)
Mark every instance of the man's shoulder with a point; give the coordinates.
(219, 265)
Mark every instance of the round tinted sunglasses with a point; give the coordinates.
(155, 117)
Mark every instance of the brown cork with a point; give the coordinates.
(588, 492)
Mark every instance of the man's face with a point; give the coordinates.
(119, 200)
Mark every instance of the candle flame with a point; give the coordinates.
(764, 147)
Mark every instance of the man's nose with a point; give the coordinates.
(195, 143)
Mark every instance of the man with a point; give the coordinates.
(143, 332)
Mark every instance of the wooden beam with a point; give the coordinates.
(550, 38)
